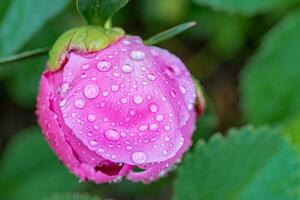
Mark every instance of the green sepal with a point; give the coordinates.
(85, 39)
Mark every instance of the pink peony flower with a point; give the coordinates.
(124, 107)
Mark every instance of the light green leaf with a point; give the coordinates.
(23, 19)
(248, 8)
(248, 164)
(270, 82)
(98, 12)
(169, 33)
(73, 196)
(30, 171)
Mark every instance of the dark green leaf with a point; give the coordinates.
(25, 54)
(270, 82)
(248, 164)
(169, 33)
(243, 7)
(30, 171)
(73, 196)
(23, 19)
(98, 12)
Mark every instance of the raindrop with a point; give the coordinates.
(79, 103)
(85, 67)
(143, 127)
(151, 77)
(93, 143)
(167, 139)
(103, 66)
(123, 100)
(127, 68)
(138, 99)
(129, 148)
(167, 128)
(153, 107)
(153, 127)
(115, 88)
(91, 117)
(112, 135)
(137, 55)
(182, 89)
(91, 91)
(139, 157)
(62, 103)
(165, 152)
(105, 93)
(159, 117)
(173, 94)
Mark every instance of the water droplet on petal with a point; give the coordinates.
(167, 139)
(139, 157)
(167, 128)
(159, 117)
(182, 89)
(150, 77)
(93, 143)
(143, 127)
(105, 93)
(137, 55)
(85, 67)
(138, 99)
(123, 100)
(153, 127)
(115, 88)
(63, 102)
(91, 91)
(126, 42)
(79, 103)
(153, 107)
(173, 94)
(127, 68)
(112, 135)
(91, 117)
(129, 148)
(103, 66)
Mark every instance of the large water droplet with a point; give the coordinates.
(139, 157)
(103, 66)
(137, 55)
(79, 103)
(112, 135)
(91, 91)
(123, 100)
(138, 99)
(127, 68)
(153, 107)
(63, 102)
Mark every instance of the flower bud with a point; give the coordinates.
(123, 106)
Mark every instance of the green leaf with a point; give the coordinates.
(23, 19)
(30, 171)
(169, 33)
(248, 164)
(73, 196)
(292, 131)
(248, 8)
(98, 12)
(23, 55)
(270, 82)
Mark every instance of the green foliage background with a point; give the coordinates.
(246, 55)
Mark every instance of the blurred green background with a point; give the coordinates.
(246, 55)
